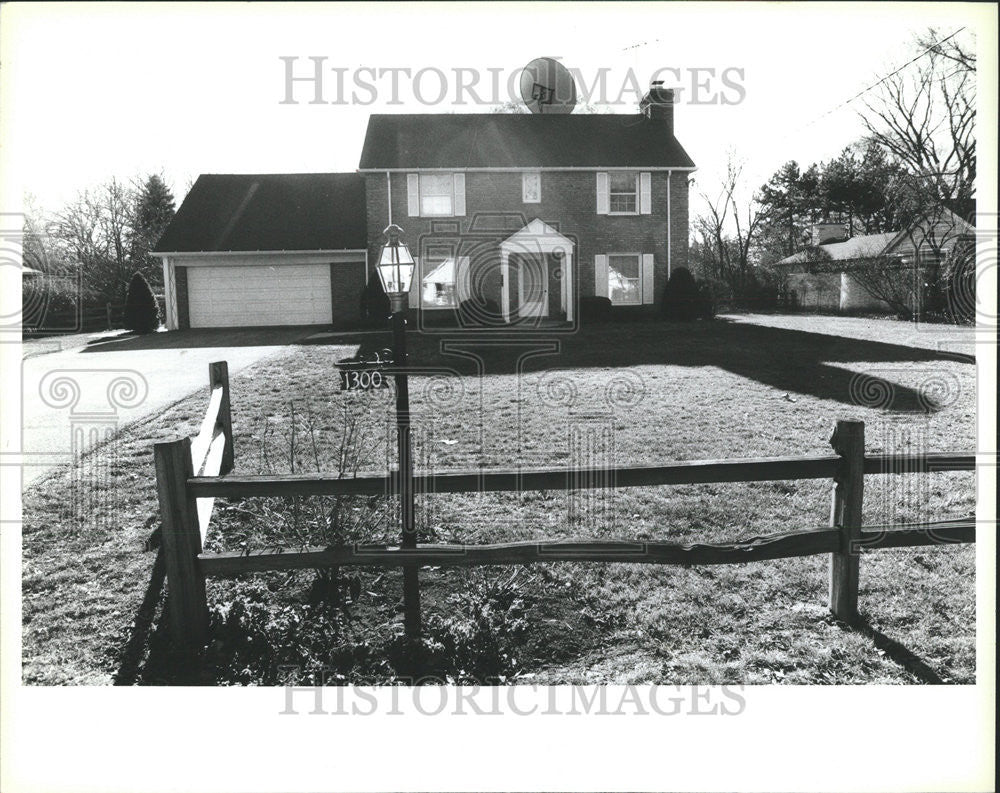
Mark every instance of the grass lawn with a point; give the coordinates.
(615, 394)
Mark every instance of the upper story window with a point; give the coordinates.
(531, 187)
(435, 194)
(623, 193)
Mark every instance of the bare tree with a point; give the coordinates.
(924, 116)
(729, 227)
(948, 48)
(891, 280)
(96, 229)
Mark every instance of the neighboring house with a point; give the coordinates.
(820, 277)
(531, 212)
(527, 212)
(266, 249)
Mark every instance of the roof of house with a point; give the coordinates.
(269, 212)
(867, 246)
(860, 247)
(511, 140)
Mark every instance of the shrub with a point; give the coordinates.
(595, 309)
(706, 302)
(375, 305)
(142, 313)
(479, 311)
(684, 299)
(959, 279)
(758, 296)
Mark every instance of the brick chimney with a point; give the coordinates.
(658, 105)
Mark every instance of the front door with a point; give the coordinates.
(532, 284)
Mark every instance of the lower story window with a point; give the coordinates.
(624, 281)
(437, 287)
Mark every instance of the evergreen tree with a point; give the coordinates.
(153, 212)
(142, 314)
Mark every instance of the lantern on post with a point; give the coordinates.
(395, 270)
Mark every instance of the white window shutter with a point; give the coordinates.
(647, 278)
(645, 198)
(460, 195)
(603, 204)
(416, 286)
(413, 195)
(463, 280)
(601, 275)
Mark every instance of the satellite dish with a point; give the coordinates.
(548, 87)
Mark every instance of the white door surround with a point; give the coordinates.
(535, 241)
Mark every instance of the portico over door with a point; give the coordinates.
(537, 267)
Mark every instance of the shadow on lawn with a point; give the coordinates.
(787, 360)
(204, 337)
(899, 653)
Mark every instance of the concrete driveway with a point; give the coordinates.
(75, 396)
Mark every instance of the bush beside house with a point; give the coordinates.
(595, 309)
(685, 299)
(142, 313)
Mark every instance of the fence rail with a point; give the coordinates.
(757, 549)
(191, 474)
(683, 473)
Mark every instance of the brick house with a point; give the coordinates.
(522, 214)
(526, 214)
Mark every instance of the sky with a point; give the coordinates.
(90, 91)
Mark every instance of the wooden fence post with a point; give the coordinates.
(218, 374)
(848, 496)
(181, 539)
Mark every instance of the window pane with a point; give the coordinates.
(437, 289)
(623, 280)
(622, 192)
(621, 182)
(436, 184)
(622, 203)
(435, 205)
(436, 193)
(531, 186)
(625, 266)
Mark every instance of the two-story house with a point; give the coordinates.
(521, 214)
(531, 212)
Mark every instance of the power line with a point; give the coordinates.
(874, 85)
(933, 46)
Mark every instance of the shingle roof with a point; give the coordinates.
(861, 247)
(269, 212)
(505, 140)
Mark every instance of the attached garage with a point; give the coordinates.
(266, 250)
(267, 294)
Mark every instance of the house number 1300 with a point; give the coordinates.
(362, 381)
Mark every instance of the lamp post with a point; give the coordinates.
(395, 270)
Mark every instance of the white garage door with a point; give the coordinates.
(259, 294)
